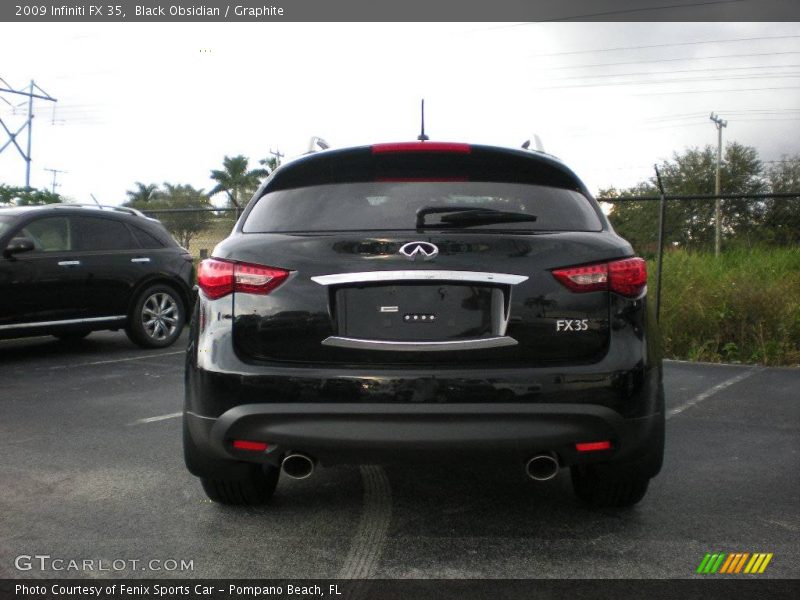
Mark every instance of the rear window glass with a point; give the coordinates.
(145, 239)
(102, 234)
(393, 206)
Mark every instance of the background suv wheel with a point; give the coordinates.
(157, 318)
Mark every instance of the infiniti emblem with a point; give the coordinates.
(419, 251)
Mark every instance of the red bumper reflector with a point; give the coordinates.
(593, 446)
(400, 147)
(249, 445)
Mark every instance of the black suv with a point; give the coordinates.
(424, 301)
(67, 270)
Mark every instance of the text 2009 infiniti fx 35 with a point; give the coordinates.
(422, 301)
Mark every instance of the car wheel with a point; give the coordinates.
(157, 318)
(605, 489)
(255, 489)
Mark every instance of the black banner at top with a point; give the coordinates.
(396, 10)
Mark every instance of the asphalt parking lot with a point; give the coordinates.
(92, 469)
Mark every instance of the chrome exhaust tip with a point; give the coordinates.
(297, 466)
(542, 467)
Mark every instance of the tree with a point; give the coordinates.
(236, 180)
(270, 163)
(690, 224)
(183, 225)
(21, 196)
(142, 194)
(637, 222)
(782, 215)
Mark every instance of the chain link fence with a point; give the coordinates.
(198, 229)
(742, 306)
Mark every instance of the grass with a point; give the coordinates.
(741, 307)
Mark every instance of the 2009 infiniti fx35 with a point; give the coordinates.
(423, 301)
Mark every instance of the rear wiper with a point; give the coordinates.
(466, 216)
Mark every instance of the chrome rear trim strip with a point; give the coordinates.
(473, 344)
(419, 275)
(65, 322)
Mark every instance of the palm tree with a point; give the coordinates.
(235, 180)
(142, 194)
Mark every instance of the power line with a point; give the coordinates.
(696, 115)
(789, 87)
(672, 45)
(763, 110)
(660, 60)
(704, 122)
(673, 80)
(658, 73)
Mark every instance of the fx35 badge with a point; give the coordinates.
(572, 324)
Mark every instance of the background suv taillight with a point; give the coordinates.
(217, 278)
(627, 277)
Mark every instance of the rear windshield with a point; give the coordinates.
(383, 206)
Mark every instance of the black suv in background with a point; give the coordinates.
(67, 270)
(423, 301)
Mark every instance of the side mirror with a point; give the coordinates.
(18, 245)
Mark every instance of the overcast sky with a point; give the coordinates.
(166, 102)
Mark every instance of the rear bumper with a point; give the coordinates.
(360, 414)
(352, 433)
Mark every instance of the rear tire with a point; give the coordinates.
(229, 481)
(606, 490)
(256, 489)
(157, 318)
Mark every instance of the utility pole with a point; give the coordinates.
(28, 125)
(278, 155)
(719, 123)
(55, 172)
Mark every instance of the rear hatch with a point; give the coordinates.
(424, 258)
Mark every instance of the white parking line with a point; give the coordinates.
(158, 418)
(116, 360)
(711, 391)
(703, 363)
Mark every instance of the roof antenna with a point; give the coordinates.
(422, 137)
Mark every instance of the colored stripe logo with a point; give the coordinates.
(734, 563)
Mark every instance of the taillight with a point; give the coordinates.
(584, 279)
(217, 278)
(627, 277)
